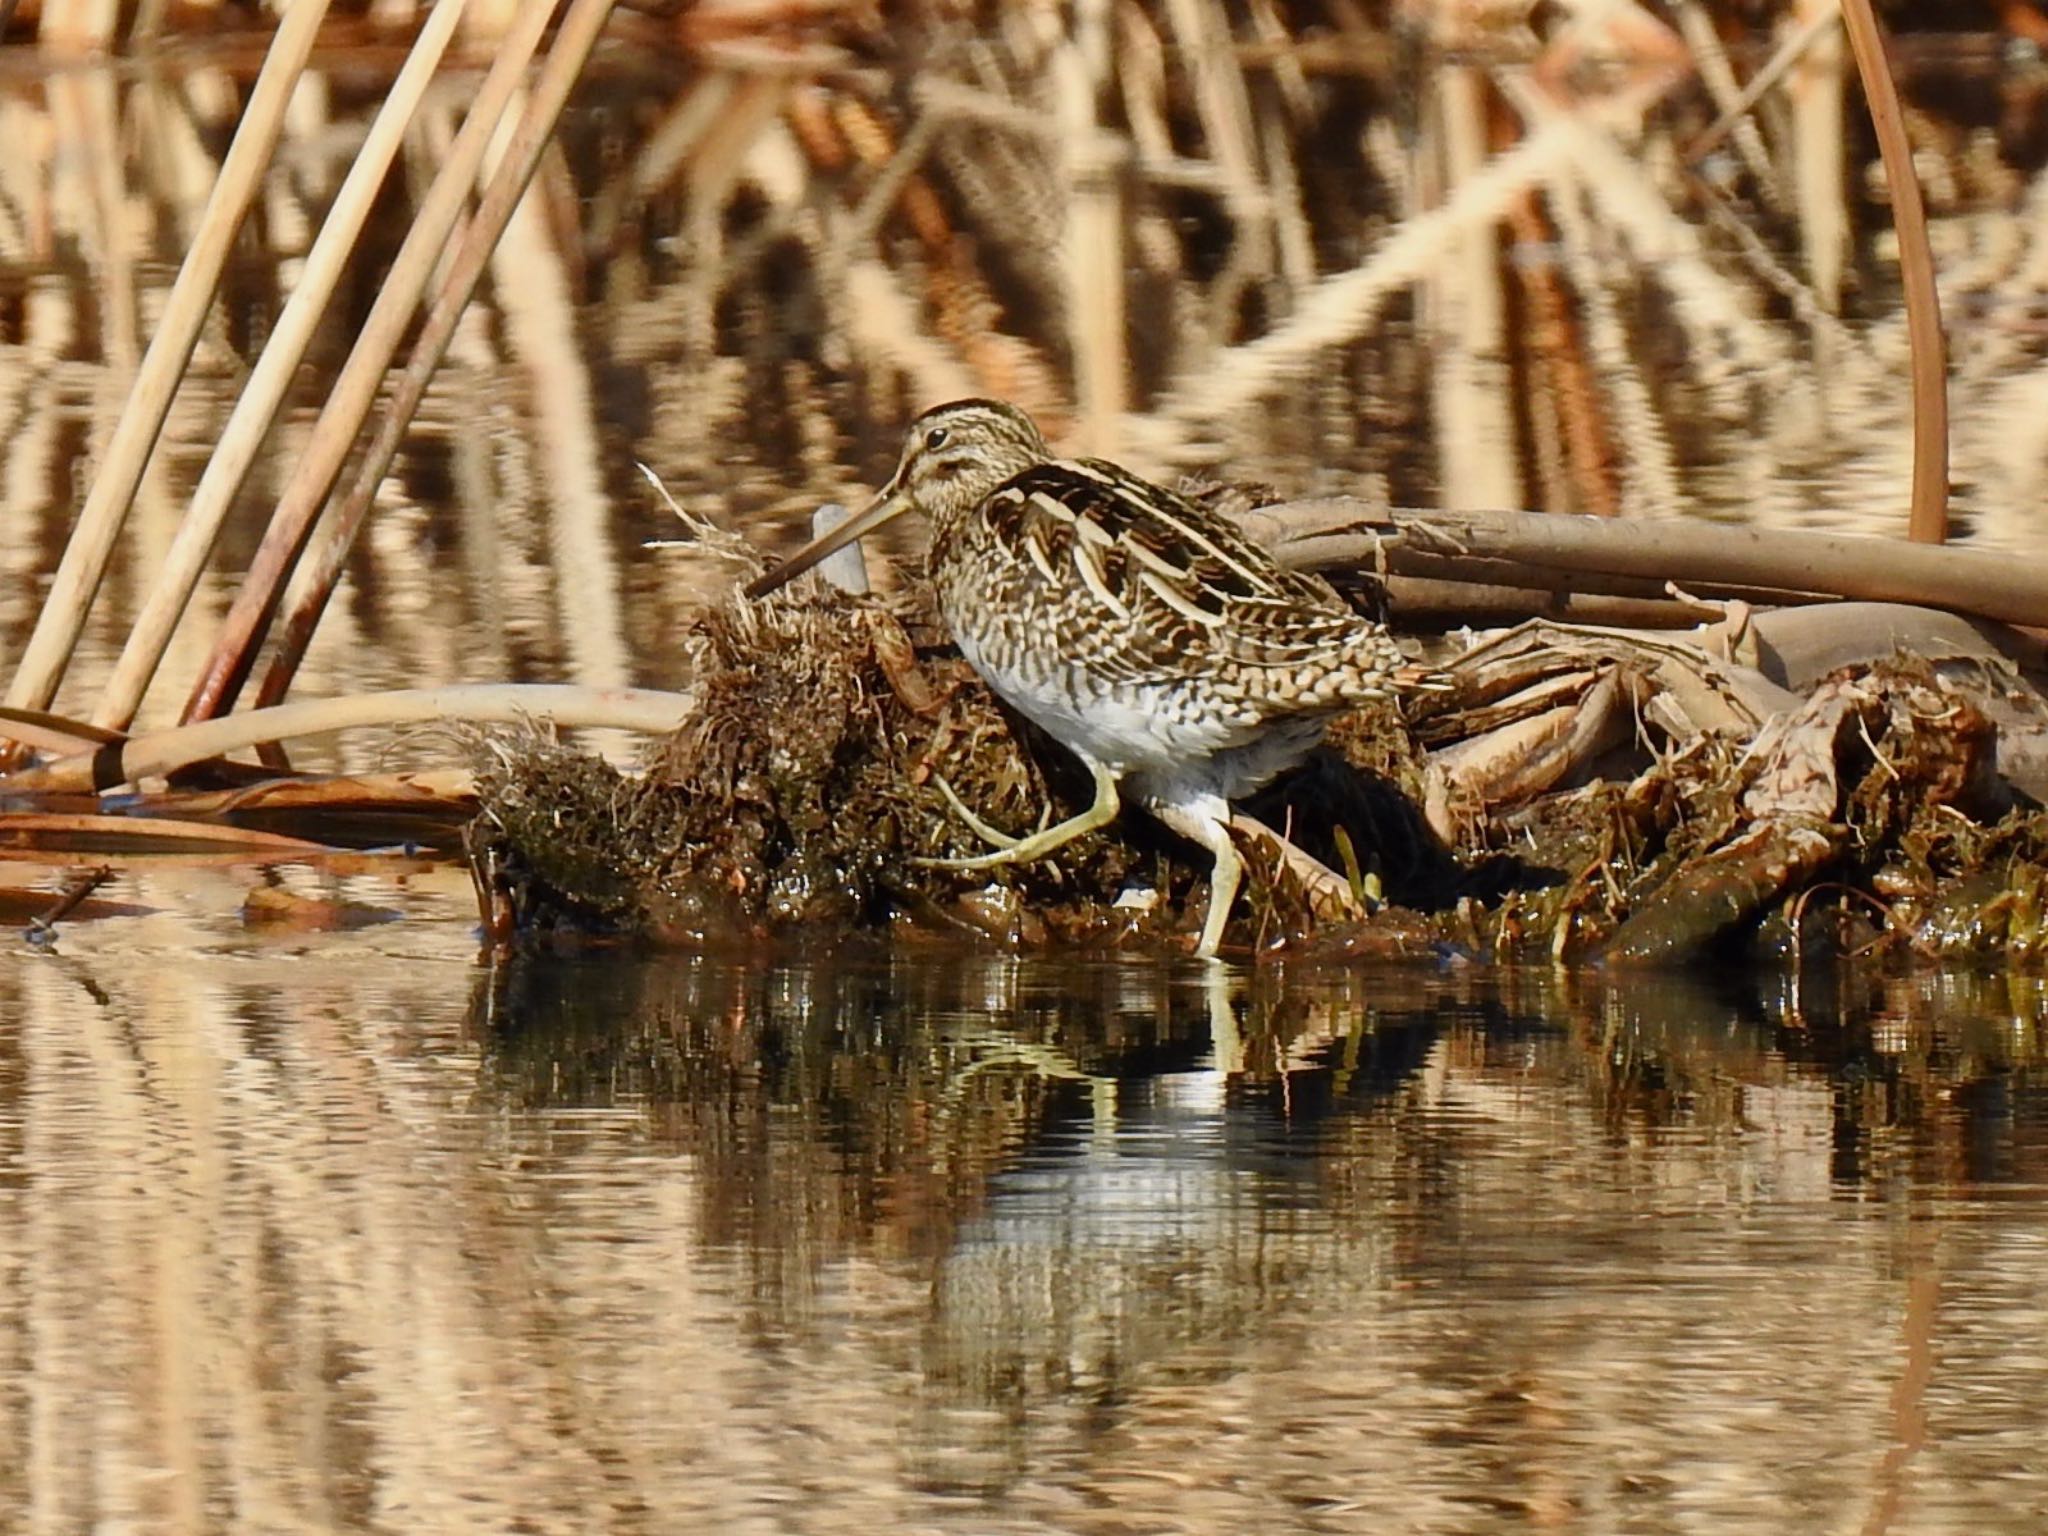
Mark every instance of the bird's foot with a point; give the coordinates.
(1022, 850)
(989, 833)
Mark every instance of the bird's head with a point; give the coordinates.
(953, 457)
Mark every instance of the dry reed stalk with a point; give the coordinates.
(355, 389)
(127, 453)
(574, 39)
(240, 441)
(44, 732)
(65, 830)
(160, 752)
(1927, 521)
(1339, 308)
(1820, 157)
(1789, 53)
(1697, 555)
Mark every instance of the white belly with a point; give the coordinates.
(1156, 735)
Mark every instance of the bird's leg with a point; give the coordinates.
(1023, 850)
(1206, 822)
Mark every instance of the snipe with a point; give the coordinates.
(1144, 632)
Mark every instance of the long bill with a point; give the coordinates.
(887, 506)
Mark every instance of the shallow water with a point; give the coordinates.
(347, 1233)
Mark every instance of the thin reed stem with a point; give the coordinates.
(113, 489)
(242, 438)
(355, 390)
(161, 752)
(1927, 522)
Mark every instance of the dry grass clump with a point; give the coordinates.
(804, 788)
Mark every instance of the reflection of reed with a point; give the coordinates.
(296, 1243)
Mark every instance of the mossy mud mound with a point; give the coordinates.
(1576, 794)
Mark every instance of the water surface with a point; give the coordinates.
(349, 1233)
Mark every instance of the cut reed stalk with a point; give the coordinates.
(166, 751)
(574, 40)
(1928, 518)
(242, 438)
(85, 559)
(355, 390)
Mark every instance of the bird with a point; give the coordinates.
(1144, 632)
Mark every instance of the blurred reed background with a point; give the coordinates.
(1437, 252)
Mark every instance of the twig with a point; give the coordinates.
(42, 931)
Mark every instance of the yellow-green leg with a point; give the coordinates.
(994, 836)
(1203, 821)
(1023, 850)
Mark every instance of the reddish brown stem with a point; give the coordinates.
(1928, 520)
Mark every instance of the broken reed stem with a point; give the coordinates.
(228, 465)
(166, 751)
(77, 581)
(574, 40)
(1574, 552)
(41, 731)
(1928, 519)
(355, 389)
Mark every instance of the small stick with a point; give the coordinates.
(42, 931)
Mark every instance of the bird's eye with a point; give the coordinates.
(936, 439)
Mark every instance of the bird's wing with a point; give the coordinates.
(1157, 586)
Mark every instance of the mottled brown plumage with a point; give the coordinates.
(1139, 629)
